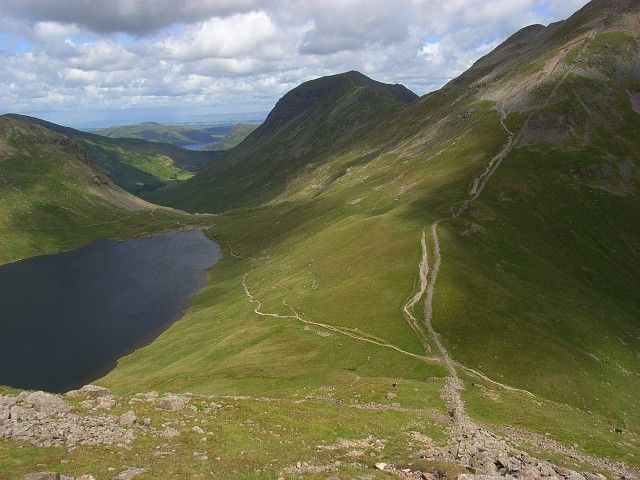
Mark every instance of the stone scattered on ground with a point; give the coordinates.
(46, 476)
(170, 432)
(197, 430)
(129, 473)
(173, 402)
(105, 402)
(88, 391)
(47, 420)
(145, 397)
(305, 468)
(127, 419)
(488, 457)
(46, 403)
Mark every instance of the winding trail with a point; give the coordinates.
(407, 309)
(342, 331)
(478, 184)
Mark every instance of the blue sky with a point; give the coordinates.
(84, 63)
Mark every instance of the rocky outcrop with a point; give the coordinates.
(127, 419)
(173, 402)
(489, 457)
(46, 403)
(46, 420)
(88, 391)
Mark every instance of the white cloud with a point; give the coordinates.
(49, 31)
(238, 35)
(432, 52)
(80, 55)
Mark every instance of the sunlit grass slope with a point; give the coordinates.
(53, 198)
(539, 284)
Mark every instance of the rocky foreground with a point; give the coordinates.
(92, 417)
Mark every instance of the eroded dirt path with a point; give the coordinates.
(407, 309)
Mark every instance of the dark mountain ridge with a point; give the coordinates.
(308, 125)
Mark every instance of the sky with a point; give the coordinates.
(91, 63)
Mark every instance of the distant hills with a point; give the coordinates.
(195, 137)
(238, 133)
(179, 135)
(53, 195)
(134, 164)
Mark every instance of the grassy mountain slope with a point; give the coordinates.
(133, 164)
(307, 126)
(179, 135)
(538, 287)
(324, 207)
(53, 197)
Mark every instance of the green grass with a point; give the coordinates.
(247, 439)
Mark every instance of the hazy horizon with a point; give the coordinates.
(90, 65)
(98, 119)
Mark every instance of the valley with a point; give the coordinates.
(432, 287)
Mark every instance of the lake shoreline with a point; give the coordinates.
(68, 317)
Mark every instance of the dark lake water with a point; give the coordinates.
(66, 318)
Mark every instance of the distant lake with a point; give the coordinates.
(66, 318)
(196, 146)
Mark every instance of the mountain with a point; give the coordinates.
(411, 287)
(54, 197)
(133, 164)
(307, 126)
(179, 135)
(490, 228)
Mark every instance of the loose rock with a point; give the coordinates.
(128, 418)
(47, 403)
(129, 473)
(45, 476)
(174, 402)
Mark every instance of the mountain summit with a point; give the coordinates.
(326, 92)
(307, 125)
